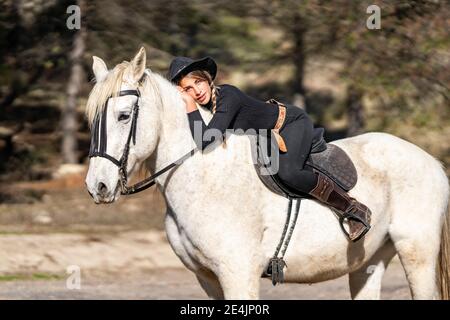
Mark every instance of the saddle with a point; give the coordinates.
(327, 158)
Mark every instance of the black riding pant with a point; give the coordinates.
(297, 134)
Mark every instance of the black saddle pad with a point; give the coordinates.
(336, 164)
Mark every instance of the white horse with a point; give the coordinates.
(224, 224)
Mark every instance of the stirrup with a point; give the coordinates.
(348, 215)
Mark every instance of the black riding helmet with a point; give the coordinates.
(181, 66)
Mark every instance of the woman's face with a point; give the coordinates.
(198, 89)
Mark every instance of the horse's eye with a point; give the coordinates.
(123, 116)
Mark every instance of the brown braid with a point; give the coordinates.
(213, 96)
(214, 89)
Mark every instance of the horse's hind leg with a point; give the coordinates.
(419, 262)
(415, 231)
(365, 283)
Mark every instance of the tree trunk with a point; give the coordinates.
(355, 111)
(69, 121)
(298, 33)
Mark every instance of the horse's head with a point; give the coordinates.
(122, 113)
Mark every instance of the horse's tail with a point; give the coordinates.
(443, 266)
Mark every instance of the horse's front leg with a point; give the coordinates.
(210, 284)
(240, 280)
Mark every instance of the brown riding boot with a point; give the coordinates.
(357, 214)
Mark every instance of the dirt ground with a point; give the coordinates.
(121, 250)
(181, 284)
(133, 265)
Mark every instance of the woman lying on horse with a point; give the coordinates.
(233, 109)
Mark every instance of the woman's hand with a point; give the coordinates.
(188, 100)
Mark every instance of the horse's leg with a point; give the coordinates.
(419, 262)
(417, 241)
(209, 282)
(365, 283)
(415, 230)
(240, 283)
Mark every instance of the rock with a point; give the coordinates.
(68, 169)
(5, 132)
(42, 217)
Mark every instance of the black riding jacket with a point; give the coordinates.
(237, 110)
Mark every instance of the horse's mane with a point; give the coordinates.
(107, 87)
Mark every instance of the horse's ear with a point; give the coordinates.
(99, 67)
(138, 64)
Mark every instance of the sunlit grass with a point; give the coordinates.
(33, 276)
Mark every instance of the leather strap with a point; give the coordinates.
(279, 124)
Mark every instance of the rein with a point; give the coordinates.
(99, 146)
(150, 181)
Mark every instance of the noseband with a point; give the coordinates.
(99, 146)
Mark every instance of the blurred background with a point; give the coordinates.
(316, 54)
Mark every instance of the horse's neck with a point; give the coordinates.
(175, 138)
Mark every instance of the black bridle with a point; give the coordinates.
(99, 146)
